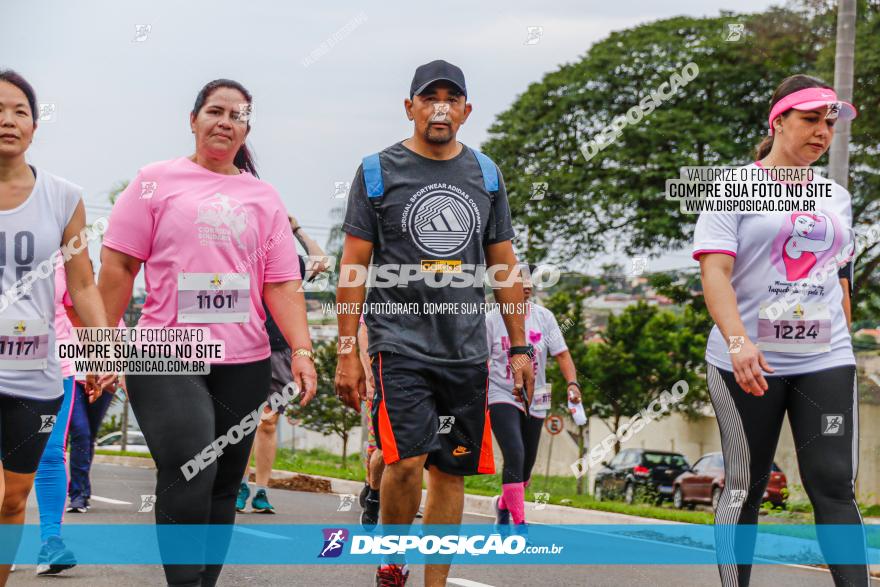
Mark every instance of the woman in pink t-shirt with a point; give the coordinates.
(205, 227)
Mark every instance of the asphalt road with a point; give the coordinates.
(116, 498)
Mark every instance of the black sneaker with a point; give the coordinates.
(502, 517)
(362, 498)
(77, 505)
(370, 515)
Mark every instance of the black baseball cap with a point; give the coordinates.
(438, 70)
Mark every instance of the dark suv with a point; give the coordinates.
(636, 470)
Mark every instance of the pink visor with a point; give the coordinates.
(813, 99)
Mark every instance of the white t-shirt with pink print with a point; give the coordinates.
(543, 333)
(779, 261)
(209, 242)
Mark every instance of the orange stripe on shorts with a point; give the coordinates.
(487, 457)
(386, 434)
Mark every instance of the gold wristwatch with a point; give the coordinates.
(304, 353)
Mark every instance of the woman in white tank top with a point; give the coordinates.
(38, 214)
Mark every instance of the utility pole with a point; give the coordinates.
(844, 64)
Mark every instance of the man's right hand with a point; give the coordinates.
(351, 382)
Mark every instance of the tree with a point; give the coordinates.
(615, 200)
(325, 413)
(688, 343)
(567, 304)
(644, 352)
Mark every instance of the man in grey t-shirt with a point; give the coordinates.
(431, 216)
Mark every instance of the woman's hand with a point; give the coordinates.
(574, 394)
(748, 362)
(98, 384)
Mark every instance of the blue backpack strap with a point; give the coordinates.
(375, 189)
(373, 176)
(490, 181)
(490, 172)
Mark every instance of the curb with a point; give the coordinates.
(138, 462)
(481, 505)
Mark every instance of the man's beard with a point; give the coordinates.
(443, 139)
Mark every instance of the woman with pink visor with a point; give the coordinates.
(781, 342)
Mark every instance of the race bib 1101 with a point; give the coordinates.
(213, 298)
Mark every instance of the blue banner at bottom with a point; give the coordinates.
(308, 544)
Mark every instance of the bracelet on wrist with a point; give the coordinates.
(522, 350)
(304, 353)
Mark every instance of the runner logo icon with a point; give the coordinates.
(47, 423)
(147, 503)
(334, 540)
(737, 498)
(346, 500)
(832, 424)
(446, 424)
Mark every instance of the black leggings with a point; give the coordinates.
(518, 436)
(180, 415)
(822, 409)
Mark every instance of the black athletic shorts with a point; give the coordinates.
(421, 408)
(281, 375)
(25, 426)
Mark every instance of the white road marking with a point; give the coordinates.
(108, 500)
(260, 533)
(466, 583)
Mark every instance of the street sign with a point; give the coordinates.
(553, 424)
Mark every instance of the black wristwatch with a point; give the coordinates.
(522, 350)
(575, 383)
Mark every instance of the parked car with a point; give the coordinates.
(113, 441)
(704, 482)
(637, 469)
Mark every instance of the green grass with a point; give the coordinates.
(320, 462)
(118, 453)
(563, 491)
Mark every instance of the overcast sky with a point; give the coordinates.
(121, 103)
